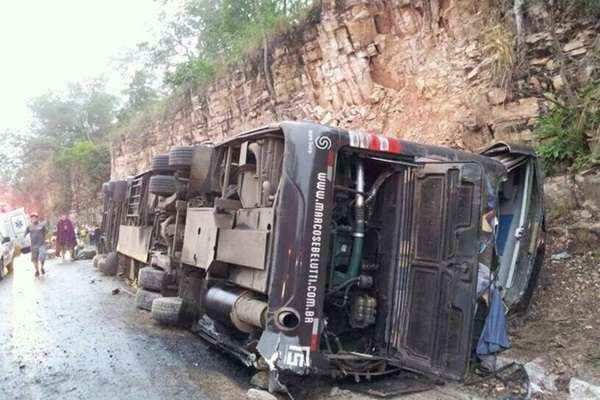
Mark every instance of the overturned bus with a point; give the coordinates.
(310, 249)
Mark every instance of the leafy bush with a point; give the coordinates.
(196, 71)
(566, 132)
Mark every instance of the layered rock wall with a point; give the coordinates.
(421, 70)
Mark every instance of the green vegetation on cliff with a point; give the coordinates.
(207, 36)
(569, 134)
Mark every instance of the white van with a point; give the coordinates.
(7, 252)
(14, 224)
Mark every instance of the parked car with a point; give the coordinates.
(308, 249)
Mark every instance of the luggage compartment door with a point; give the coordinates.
(200, 237)
(435, 287)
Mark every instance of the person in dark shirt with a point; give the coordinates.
(65, 237)
(37, 232)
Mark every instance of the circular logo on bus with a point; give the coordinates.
(323, 143)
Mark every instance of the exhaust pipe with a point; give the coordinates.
(235, 306)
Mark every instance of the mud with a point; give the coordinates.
(66, 336)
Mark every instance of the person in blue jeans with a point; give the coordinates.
(37, 232)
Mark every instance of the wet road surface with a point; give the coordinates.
(65, 336)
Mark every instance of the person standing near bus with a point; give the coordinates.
(65, 236)
(37, 232)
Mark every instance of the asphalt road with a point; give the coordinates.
(66, 336)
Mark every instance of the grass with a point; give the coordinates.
(565, 134)
(499, 45)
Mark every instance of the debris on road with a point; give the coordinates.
(116, 291)
(87, 253)
(510, 379)
(335, 391)
(560, 256)
(395, 385)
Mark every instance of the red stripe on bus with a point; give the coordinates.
(374, 142)
(395, 146)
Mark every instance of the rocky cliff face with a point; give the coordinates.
(423, 70)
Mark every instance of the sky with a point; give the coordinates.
(44, 44)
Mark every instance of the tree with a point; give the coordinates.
(85, 166)
(140, 93)
(10, 156)
(61, 164)
(207, 35)
(84, 111)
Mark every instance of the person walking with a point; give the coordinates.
(37, 234)
(65, 236)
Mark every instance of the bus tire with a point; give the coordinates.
(96, 260)
(151, 278)
(162, 185)
(109, 264)
(181, 157)
(173, 311)
(145, 298)
(160, 164)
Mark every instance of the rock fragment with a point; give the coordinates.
(580, 389)
(256, 394)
